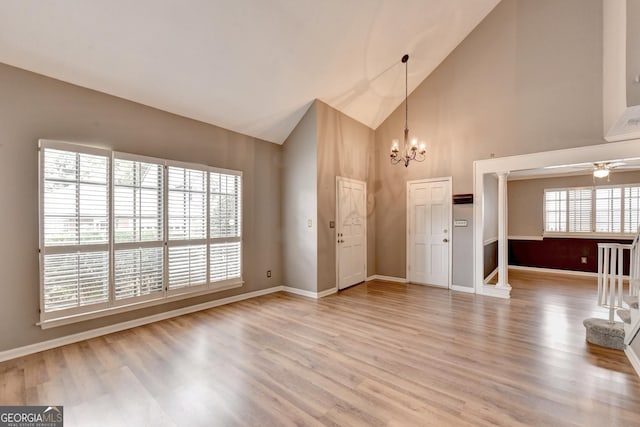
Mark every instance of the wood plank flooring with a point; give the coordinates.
(376, 354)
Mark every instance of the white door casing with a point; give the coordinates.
(429, 232)
(351, 232)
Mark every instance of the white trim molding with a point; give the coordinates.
(539, 238)
(387, 278)
(490, 241)
(465, 289)
(633, 358)
(491, 275)
(496, 291)
(554, 271)
(309, 294)
(105, 330)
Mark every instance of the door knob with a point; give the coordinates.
(445, 240)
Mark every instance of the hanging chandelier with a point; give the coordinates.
(411, 150)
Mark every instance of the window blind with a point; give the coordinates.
(579, 212)
(631, 209)
(75, 235)
(118, 229)
(608, 210)
(555, 209)
(225, 209)
(187, 227)
(138, 228)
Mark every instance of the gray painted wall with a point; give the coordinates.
(527, 79)
(345, 148)
(33, 107)
(490, 206)
(462, 253)
(300, 204)
(526, 198)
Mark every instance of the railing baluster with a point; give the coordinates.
(612, 286)
(619, 274)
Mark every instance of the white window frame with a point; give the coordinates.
(116, 155)
(113, 306)
(592, 234)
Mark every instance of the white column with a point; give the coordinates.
(503, 261)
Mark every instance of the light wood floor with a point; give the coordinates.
(376, 354)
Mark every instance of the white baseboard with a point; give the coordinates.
(633, 358)
(554, 271)
(466, 289)
(495, 291)
(93, 333)
(327, 292)
(309, 294)
(301, 292)
(490, 276)
(387, 278)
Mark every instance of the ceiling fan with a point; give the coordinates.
(601, 170)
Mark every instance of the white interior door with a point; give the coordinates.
(351, 252)
(428, 232)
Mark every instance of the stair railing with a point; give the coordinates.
(610, 276)
(634, 266)
(611, 273)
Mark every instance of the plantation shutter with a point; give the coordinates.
(609, 210)
(187, 217)
(138, 227)
(225, 226)
(580, 212)
(555, 210)
(119, 229)
(631, 209)
(74, 191)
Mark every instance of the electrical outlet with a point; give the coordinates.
(268, 273)
(583, 259)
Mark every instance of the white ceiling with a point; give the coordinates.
(252, 66)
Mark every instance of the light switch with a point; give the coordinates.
(309, 223)
(460, 223)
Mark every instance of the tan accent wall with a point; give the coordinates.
(345, 148)
(33, 107)
(526, 198)
(527, 79)
(633, 47)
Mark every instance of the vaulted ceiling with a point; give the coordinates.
(252, 66)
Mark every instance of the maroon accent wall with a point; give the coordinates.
(560, 253)
(490, 258)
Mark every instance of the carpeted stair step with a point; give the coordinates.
(624, 314)
(632, 301)
(601, 332)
